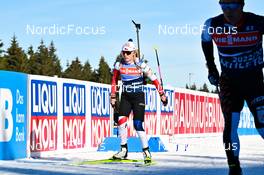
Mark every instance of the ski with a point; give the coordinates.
(108, 161)
(145, 164)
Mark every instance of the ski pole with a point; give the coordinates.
(138, 26)
(157, 56)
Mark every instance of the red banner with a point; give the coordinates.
(100, 129)
(73, 132)
(43, 134)
(195, 114)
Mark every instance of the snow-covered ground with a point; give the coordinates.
(187, 155)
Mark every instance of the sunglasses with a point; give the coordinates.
(126, 52)
(230, 6)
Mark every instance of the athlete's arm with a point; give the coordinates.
(208, 50)
(149, 73)
(207, 46)
(116, 74)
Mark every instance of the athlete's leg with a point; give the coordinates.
(257, 109)
(231, 103)
(231, 139)
(138, 125)
(124, 111)
(255, 101)
(122, 129)
(139, 114)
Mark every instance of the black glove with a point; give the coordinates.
(165, 101)
(213, 75)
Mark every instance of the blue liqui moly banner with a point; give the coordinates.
(44, 111)
(100, 113)
(13, 115)
(166, 114)
(150, 121)
(74, 110)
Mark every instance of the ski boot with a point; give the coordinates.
(147, 155)
(235, 170)
(122, 154)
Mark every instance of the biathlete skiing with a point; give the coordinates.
(131, 70)
(238, 37)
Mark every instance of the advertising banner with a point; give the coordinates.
(151, 104)
(44, 112)
(74, 110)
(196, 113)
(13, 115)
(100, 112)
(166, 114)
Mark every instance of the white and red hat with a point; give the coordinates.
(129, 46)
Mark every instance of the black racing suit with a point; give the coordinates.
(133, 96)
(241, 59)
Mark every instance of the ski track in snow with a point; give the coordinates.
(194, 156)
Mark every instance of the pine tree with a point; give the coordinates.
(74, 70)
(42, 60)
(87, 71)
(193, 87)
(1, 45)
(204, 88)
(95, 76)
(104, 72)
(55, 62)
(16, 58)
(46, 60)
(33, 64)
(2, 59)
